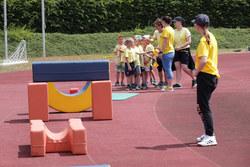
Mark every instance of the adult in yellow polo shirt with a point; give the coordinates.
(207, 77)
(167, 50)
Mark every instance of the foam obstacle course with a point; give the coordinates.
(97, 93)
(73, 138)
(95, 72)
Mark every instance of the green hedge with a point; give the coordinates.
(90, 16)
(58, 44)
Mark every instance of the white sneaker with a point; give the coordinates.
(199, 139)
(208, 141)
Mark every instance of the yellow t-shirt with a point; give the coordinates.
(130, 53)
(150, 47)
(180, 37)
(211, 52)
(138, 49)
(157, 35)
(120, 56)
(168, 32)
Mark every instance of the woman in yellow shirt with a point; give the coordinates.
(167, 50)
(207, 77)
(182, 59)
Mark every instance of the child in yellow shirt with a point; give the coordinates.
(138, 55)
(129, 54)
(147, 47)
(119, 61)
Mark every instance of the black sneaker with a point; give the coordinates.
(117, 83)
(160, 84)
(129, 87)
(151, 81)
(194, 84)
(177, 86)
(122, 83)
(134, 86)
(143, 86)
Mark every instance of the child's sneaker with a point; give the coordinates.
(138, 87)
(208, 141)
(155, 82)
(151, 81)
(117, 83)
(129, 87)
(143, 86)
(194, 83)
(167, 89)
(133, 86)
(122, 84)
(160, 84)
(177, 86)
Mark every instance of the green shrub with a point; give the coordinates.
(93, 16)
(58, 44)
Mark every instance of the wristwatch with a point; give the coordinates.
(161, 52)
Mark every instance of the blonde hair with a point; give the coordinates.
(206, 33)
(128, 40)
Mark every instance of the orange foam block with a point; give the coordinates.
(38, 101)
(102, 106)
(73, 90)
(73, 138)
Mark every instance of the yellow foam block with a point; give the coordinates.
(77, 102)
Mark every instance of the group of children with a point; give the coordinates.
(135, 57)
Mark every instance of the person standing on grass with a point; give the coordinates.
(167, 50)
(182, 59)
(207, 77)
(119, 61)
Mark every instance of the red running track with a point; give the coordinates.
(152, 129)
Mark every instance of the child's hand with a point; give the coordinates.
(178, 48)
(121, 50)
(160, 56)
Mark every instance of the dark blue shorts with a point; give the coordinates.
(132, 72)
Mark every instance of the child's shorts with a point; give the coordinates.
(142, 69)
(127, 72)
(147, 68)
(138, 70)
(119, 67)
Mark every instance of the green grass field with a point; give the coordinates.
(94, 46)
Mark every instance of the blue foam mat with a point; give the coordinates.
(95, 166)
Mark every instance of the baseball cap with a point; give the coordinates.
(201, 20)
(139, 37)
(146, 37)
(178, 18)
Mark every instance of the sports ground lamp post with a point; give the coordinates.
(43, 28)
